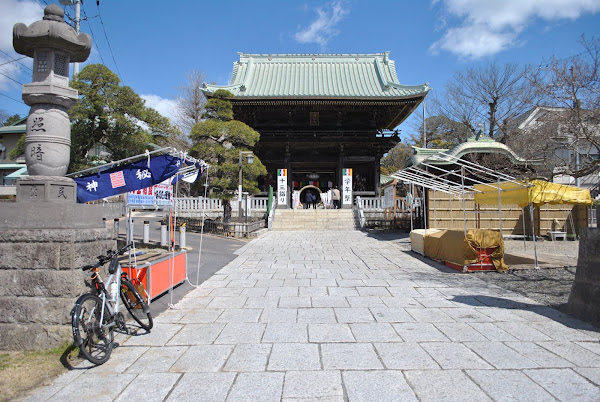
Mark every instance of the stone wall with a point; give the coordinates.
(584, 300)
(39, 282)
(112, 210)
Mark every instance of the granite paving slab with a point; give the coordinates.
(344, 316)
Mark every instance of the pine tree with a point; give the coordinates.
(218, 140)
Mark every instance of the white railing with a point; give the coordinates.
(192, 204)
(259, 203)
(361, 212)
(370, 204)
(271, 216)
(198, 204)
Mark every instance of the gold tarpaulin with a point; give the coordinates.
(456, 247)
(536, 192)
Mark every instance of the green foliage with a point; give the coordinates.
(444, 133)
(19, 149)
(20, 146)
(395, 159)
(218, 140)
(10, 120)
(113, 116)
(219, 144)
(219, 107)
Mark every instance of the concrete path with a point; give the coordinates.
(216, 253)
(336, 316)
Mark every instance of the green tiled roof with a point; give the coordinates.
(317, 76)
(383, 179)
(21, 128)
(12, 166)
(482, 145)
(17, 174)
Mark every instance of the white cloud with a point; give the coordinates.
(14, 11)
(324, 27)
(12, 76)
(488, 27)
(165, 107)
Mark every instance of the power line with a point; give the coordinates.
(11, 61)
(92, 35)
(107, 41)
(16, 100)
(17, 60)
(12, 79)
(12, 75)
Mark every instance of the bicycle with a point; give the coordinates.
(96, 314)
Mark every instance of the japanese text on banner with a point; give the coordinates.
(347, 187)
(282, 186)
(158, 194)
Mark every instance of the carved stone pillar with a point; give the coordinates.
(52, 44)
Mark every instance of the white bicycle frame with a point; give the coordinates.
(113, 307)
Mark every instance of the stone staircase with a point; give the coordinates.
(313, 219)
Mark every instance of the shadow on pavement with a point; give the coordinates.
(549, 312)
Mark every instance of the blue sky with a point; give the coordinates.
(152, 44)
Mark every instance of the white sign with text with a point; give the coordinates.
(282, 187)
(347, 187)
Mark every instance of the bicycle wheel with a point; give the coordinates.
(136, 306)
(94, 341)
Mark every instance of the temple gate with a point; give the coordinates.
(318, 114)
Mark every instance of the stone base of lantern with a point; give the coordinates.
(42, 244)
(55, 189)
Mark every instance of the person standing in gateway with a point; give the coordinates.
(335, 196)
(307, 199)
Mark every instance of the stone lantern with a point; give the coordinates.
(53, 45)
(45, 235)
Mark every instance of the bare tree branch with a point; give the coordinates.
(490, 95)
(569, 89)
(190, 101)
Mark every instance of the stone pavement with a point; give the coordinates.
(336, 316)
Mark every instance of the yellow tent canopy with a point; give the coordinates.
(536, 192)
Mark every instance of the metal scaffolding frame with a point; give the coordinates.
(166, 150)
(459, 179)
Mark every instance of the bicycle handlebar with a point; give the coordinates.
(110, 254)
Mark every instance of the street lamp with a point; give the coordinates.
(249, 160)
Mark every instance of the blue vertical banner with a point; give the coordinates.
(122, 179)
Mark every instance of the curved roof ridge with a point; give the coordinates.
(467, 147)
(367, 75)
(449, 156)
(382, 54)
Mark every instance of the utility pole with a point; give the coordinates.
(77, 4)
(77, 19)
(424, 127)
